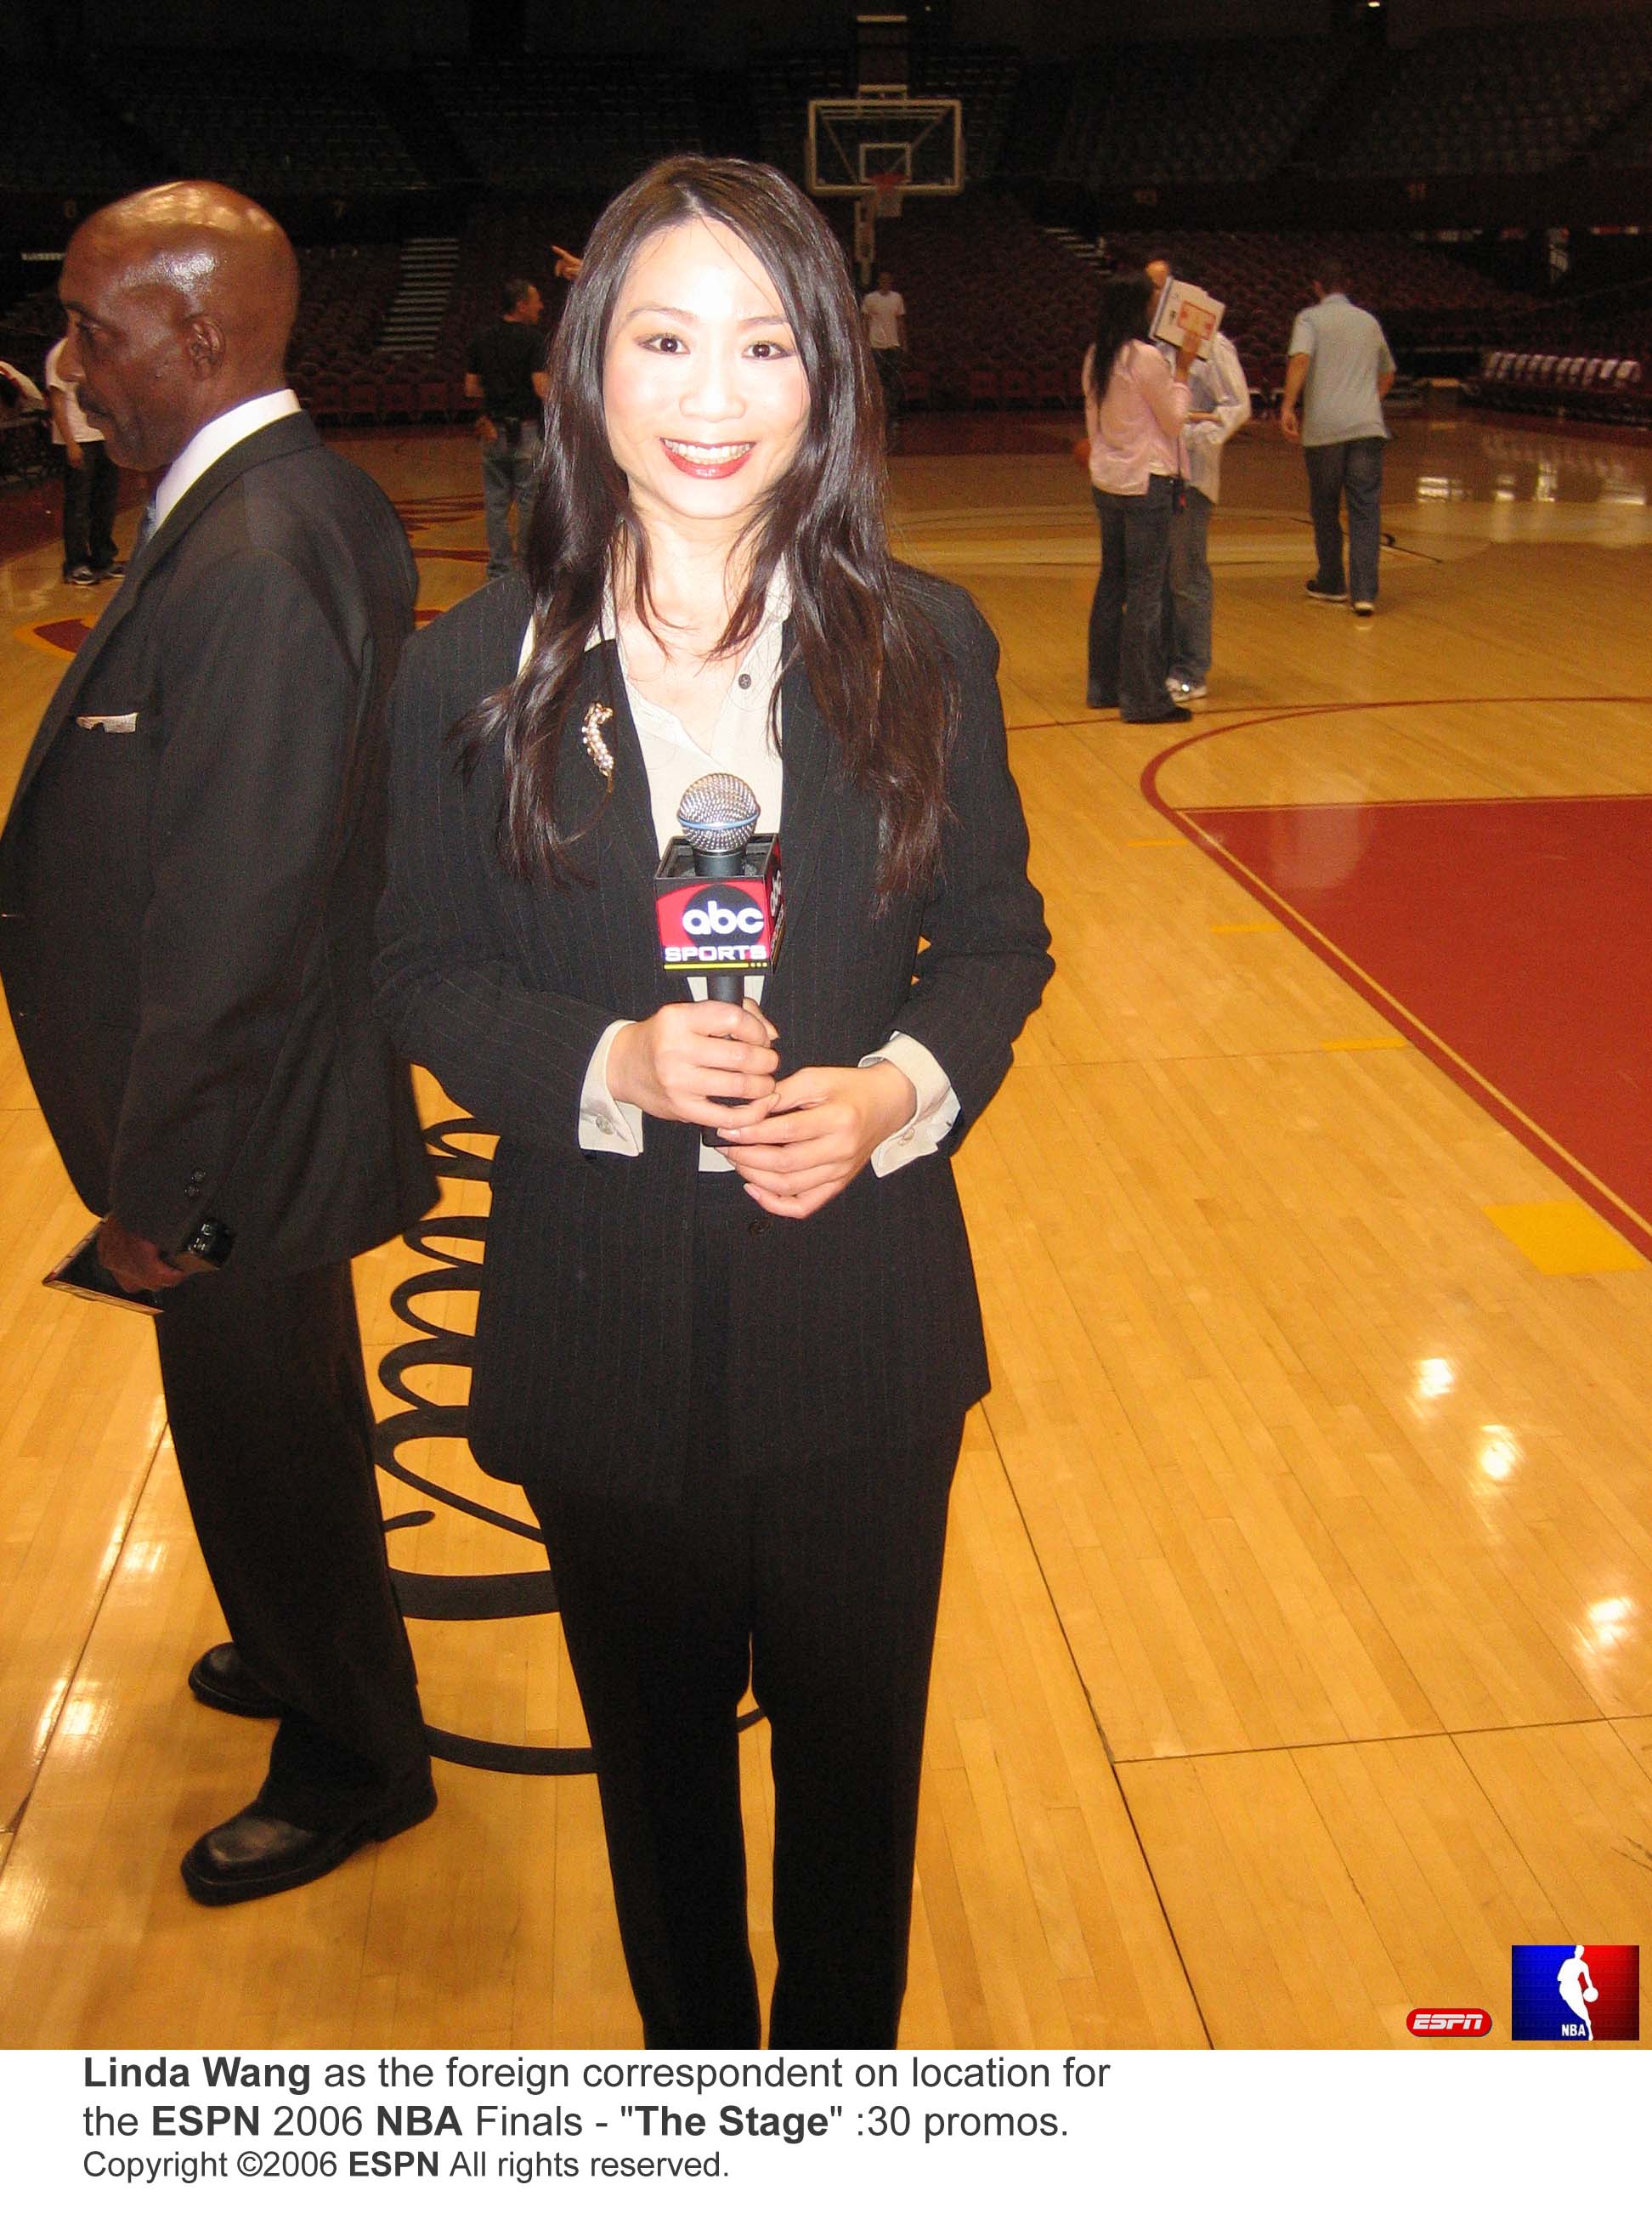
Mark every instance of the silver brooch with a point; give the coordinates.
(596, 745)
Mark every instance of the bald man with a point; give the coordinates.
(188, 879)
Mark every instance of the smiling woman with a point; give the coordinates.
(740, 1452)
(705, 400)
(702, 373)
(874, 667)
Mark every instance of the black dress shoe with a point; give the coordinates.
(221, 1678)
(255, 1854)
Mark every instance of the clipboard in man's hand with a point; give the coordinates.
(82, 1273)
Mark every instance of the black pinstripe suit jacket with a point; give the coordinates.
(858, 1324)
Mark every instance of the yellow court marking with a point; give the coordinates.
(1563, 1237)
(1363, 1044)
(1241, 929)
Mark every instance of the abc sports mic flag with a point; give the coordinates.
(720, 925)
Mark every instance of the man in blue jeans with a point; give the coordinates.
(1337, 376)
(506, 372)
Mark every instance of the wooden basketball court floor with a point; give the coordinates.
(1294, 1656)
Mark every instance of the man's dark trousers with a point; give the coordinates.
(90, 494)
(264, 1377)
(1350, 470)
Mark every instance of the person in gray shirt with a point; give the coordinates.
(1339, 374)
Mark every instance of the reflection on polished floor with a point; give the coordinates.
(1294, 1657)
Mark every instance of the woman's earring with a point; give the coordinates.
(596, 745)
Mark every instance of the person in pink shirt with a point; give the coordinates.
(1135, 404)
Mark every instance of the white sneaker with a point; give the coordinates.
(1364, 607)
(1182, 691)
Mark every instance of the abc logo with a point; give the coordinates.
(707, 916)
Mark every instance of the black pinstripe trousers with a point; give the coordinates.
(815, 1575)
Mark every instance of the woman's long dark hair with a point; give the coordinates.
(881, 681)
(1125, 312)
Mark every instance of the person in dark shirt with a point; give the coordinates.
(506, 372)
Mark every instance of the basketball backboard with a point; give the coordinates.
(854, 141)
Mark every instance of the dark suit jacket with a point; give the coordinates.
(188, 899)
(861, 1321)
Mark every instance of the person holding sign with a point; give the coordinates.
(1221, 402)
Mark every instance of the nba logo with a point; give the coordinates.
(1576, 1993)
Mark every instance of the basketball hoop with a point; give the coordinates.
(887, 190)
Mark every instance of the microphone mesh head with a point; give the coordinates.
(718, 814)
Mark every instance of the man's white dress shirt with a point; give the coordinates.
(212, 442)
(1219, 388)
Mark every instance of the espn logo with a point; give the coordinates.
(1425, 2021)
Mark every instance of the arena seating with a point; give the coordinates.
(983, 79)
(1523, 99)
(1586, 388)
(344, 294)
(781, 87)
(339, 367)
(29, 329)
(52, 143)
(1629, 145)
(988, 296)
(564, 124)
(265, 123)
(1155, 115)
(1000, 311)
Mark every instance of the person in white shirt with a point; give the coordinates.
(728, 1326)
(1221, 401)
(20, 392)
(884, 313)
(91, 483)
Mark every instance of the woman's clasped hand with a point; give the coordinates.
(795, 1142)
(822, 1127)
(702, 1062)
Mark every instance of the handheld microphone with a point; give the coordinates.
(717, 816)
(718, 899)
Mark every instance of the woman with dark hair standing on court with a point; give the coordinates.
(726, 1350)
(1134, 409)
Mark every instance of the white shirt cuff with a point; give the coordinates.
(935, 1114)
(608, 1125)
